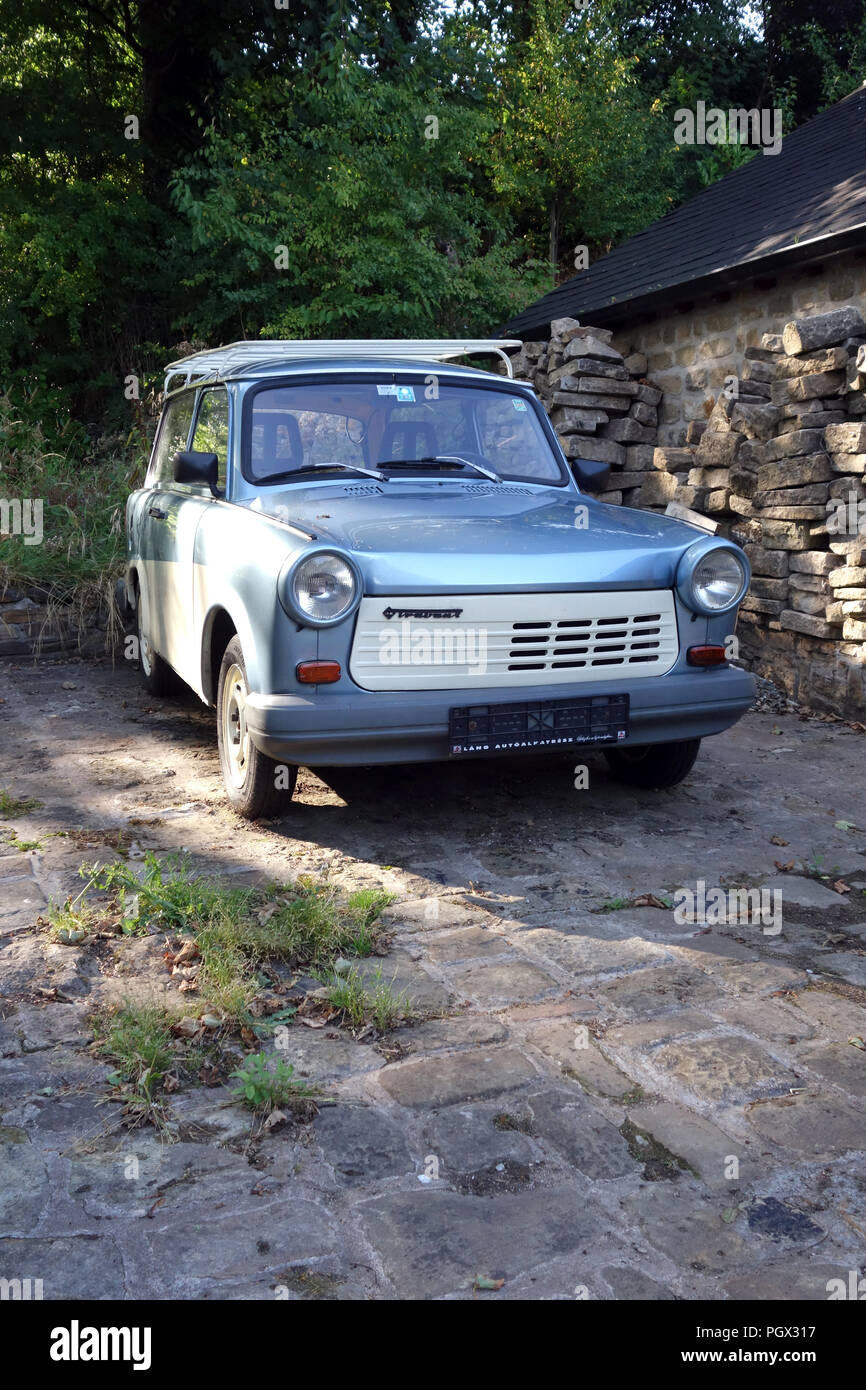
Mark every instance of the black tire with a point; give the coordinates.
(256, 786)
(655, 765)
(156, 674)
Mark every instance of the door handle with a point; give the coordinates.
(157, 512)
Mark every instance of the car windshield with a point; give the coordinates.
(399, 429)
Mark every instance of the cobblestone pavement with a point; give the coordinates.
(602, 1102)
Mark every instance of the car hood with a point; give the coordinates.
(462, 538)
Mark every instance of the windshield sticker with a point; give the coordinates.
(403, 393)
(518, 405)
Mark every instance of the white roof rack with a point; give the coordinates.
(231, 360)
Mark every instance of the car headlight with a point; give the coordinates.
(712, 580)
(321, 588)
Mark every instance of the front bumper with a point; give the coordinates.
(339, 730)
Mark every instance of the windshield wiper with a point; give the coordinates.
(445, 458)
(351, 467)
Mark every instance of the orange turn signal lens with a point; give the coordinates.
(706, 656)
(318, 672)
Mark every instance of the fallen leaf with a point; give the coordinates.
(186, 972)
(649, 900)
(275, 1118)
(729, 1214)
(312, 1022)
(841, 887)
(186, 1028)
(845, 825)
(857, 1041)
(777, 840)
(483, 1282)
(784, 868)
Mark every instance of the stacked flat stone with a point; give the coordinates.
(598, 401)
(776, 454)
(779, 449)
(781, 468)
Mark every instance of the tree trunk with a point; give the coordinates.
(554, 236)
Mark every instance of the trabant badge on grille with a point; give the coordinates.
(421, 612)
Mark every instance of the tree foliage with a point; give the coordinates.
(426, 165)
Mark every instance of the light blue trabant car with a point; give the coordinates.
(360, 552)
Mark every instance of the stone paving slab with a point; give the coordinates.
(433, 1243)
(726, 1068)
(598, 1101)
(471, 1075)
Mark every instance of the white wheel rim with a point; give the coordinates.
(236, 738)
(145, 653)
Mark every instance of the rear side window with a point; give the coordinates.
(173, 436)
(212, 428)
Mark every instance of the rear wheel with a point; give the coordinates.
(255, 784)
(157, 675)
(656, 764)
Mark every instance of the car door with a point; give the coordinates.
(180, 508)
(159, 523)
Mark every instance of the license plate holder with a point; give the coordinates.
(535, 725)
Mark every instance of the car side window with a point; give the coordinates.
(173, 435)
(212, 428)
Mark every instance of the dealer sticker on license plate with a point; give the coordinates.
(532, 724)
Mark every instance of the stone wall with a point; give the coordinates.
(34, 622)
(774, 458)
(693, 347)
(600, 404)
(779, 466)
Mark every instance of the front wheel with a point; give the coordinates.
(255, 784)
(655, 765)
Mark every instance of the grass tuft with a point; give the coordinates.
(363, 1003)
(239, 932)
(137, 1037)
(12, 807)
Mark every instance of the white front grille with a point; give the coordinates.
(477, 641)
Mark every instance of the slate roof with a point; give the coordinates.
(798, 205)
